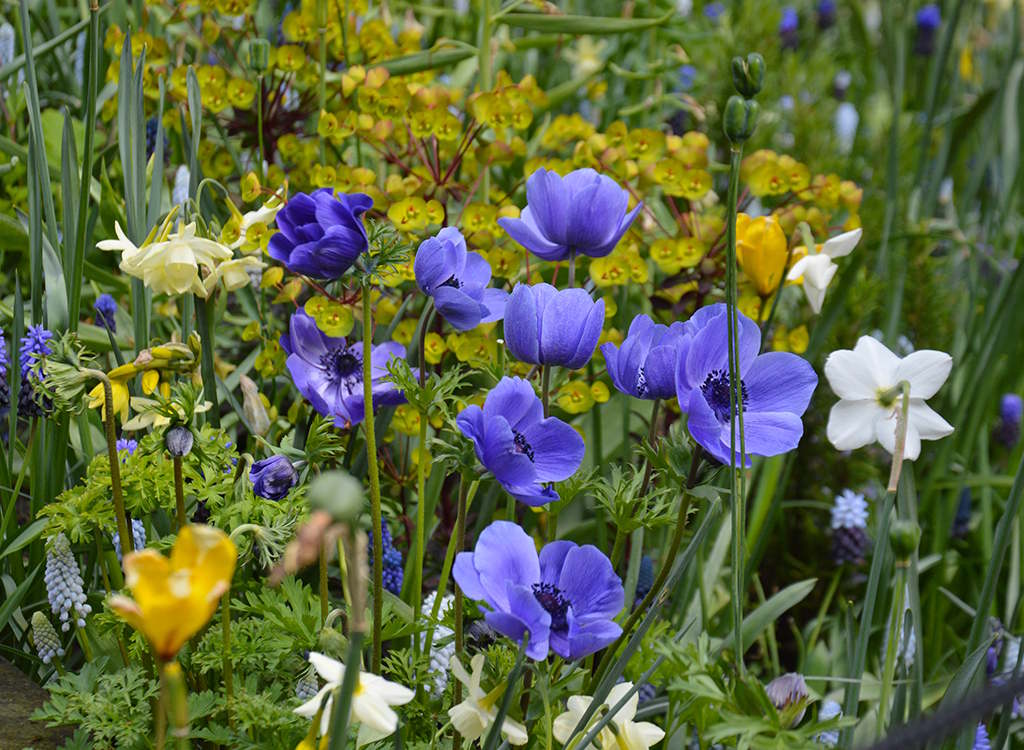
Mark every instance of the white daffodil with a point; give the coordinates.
(474, 716)
(628, 734)
(867, 380)
(149, 414)
(262, 215)
(234, 273)
(371, 702)
(816, 269)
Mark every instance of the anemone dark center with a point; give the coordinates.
(554, 603)
(716, 392)
(343, 364)
(521, 446)
(451, 281)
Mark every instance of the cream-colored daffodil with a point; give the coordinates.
(371, 701)
(262, 215)
(816, 269)
(627, 734)
(234, 273)
(474, 716)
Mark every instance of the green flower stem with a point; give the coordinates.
(324, 602)
(177, 702)
(179, 493)
(446, 569)
(484, 65)
(421, 477)
(371, 461)
(227, 668)
(259, 124)
(321, 21)
(735, 406)
(204, 311)
(892, 646)
(127, 544)
(545, 388)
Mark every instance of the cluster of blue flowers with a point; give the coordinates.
(273, 477)
(105, 309)
(393, 566)
(45, 638)
(850, 540)
(138, 538)
(64, 587)
(34, 345)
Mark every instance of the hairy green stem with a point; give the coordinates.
(226, 666)
(179, 493)
(374, 472)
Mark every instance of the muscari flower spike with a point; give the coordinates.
(138, 537)
(1011, 408)
(5, 390)
(105, 308)
(457, 280)
(64, 586)
(515, 442)
(45, 638)
(443, 648)
(565, 598)
(328, 370)
(393, 568)
(34, 345)
(850, 541)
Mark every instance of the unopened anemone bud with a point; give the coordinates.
(337, 493)
(273, 477)
(259, 55)
(178, 440)
(740, 119)
(45, 638)
(789, 695)
(748, 75)
(904, 536)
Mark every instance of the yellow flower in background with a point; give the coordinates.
(761, 250)
(173, 598)
(120, 395)
(406, 420)
(575, 397)
(434, 347)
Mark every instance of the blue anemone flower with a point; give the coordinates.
(273, 477)
(457, 280)
(329, 371)
(775, 388)
(545, 326)
(564, 599)
(583, 213)
(515, 442)
(321, 235)
(645, 365)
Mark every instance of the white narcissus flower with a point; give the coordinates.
(371, 701)
(865, 380)
(817, 268)
(262, 215)
(628, 734)
(474, 716)
(234, 273)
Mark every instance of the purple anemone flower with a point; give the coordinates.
(321, 234)
(564, 599)
(515, 442)
(775, 388)
(457, 280)
(545, 326)
(329, 371)
(273, 477)
(583, 213)
(645, 365)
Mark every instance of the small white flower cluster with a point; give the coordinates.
(45, 637)
(443, 647)
(64, 583)
(849, 511)
(138, 538)
(308, 685)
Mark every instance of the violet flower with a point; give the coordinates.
(329, 371)
(583, 213)
(515, 442)
(321, 235)
(273, 477)
(645, 365)
(545, 326)
(457, 280)
(564, 599)
(775, 388)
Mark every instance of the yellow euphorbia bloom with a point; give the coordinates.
(761, 250)
(175, 597)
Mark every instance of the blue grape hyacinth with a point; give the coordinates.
(393, 564)
(138, 538)
(34, 346)
(64, 587)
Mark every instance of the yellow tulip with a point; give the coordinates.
(761, 250)
(175, 597)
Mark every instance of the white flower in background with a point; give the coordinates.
(867, 380)
(628, 734)
(586, 57)
(234, 273)
(179, 194)
(262, 215)
(474, 716)
(816, 269)
(845, 123)
(442, 649)
(371, 701)
(6, 43)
